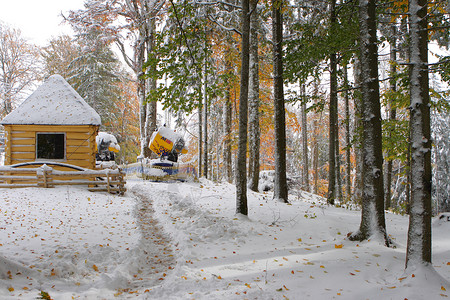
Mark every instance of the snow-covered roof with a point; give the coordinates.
(55, 102)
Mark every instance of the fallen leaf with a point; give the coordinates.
(286, 288)
(95, 268)
(443, 288)
(338, 246)
(11, 289)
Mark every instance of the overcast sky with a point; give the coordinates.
(38, 20)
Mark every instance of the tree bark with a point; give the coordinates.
(348, 167)
(372, 215)
(241, 164)
(357, 194)
(227, 116)
(419, 233)
(280, 184)
(304, 119)
(200, 139)
(332, 118)
(205, 127)
(254, 130)
(392, 114)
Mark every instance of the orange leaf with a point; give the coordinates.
(286, 288)
(95, 268)
(11, 289)
(292, 272)
(338, 246)
(443, 288)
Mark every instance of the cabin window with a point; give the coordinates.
(50, 145)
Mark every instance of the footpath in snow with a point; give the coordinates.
(184, 241)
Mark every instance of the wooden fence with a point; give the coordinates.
(111, 181)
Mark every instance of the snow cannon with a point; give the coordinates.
(107, 146)
(167, 144)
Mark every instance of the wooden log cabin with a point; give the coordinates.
(53, 124)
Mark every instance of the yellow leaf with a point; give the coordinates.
(301, 240)
(219, 277)
(286, 288)
(338, 246)
(248, 285)
(11, 289)
(391, 287)
(443, 288)
(322, 267)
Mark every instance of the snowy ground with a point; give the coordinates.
(184, 241)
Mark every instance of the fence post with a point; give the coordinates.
(45, 170)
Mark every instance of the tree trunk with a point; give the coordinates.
(227, 116)
(392, 115)
(254, 130)
(348, 167)
(358, 186)
(372, 215)
(419, 233)
(338, 161)
(150, 115)
(241, 164)
(280, 184)
(316, 158)
(205, 127)
(332, 119)
(200, 139)
(304, 140)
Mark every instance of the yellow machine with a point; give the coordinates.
(166, 143)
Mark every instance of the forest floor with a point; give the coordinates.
(184, 241)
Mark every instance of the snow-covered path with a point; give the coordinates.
(68, 242)
(184, 241)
